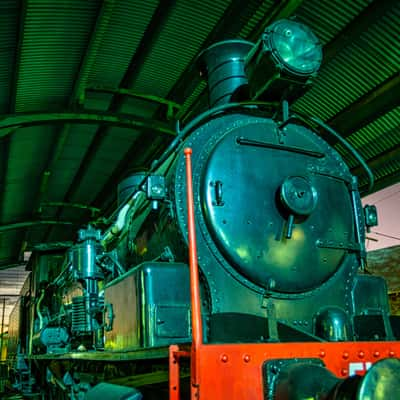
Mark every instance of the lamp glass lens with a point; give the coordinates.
(296, 46)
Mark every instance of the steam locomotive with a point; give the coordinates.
(288, 309)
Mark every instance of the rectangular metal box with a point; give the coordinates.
(150, 306)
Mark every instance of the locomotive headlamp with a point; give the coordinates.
(294, 48)
(283, 62)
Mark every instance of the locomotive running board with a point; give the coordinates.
(235, 371)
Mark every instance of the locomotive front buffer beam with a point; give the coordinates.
(345, 371)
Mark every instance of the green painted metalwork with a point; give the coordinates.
(173, 107)
(369, 107)
(53, 52)
(26, 224)
(73, 205)
(48, 246)
(127, 121)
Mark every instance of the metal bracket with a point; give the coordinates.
(332, 244)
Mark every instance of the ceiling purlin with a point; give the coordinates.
(14, 121)
(385, 181)
(231, 21)
(380, 160)
(150, 35)
(231, 15)
(6, 141)
(96, 37)
(372, 13)
(377, 102)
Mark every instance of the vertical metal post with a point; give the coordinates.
(197, 330)
(285, 111)
(174, 384)
(2, 328)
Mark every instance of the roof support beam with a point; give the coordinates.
(383, 182)
(93, 210)
(26, 224)
(380, 160)
(10, 122)
(352, 31)
(152, 32)
(369, 107)
(172, 107)
(6, 142)
(185, 84)
(232, 21)
(78, 93)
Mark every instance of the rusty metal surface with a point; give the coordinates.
(150, 306)
(124, 299)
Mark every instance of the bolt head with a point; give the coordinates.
(224, 358)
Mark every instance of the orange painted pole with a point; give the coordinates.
(197, 330)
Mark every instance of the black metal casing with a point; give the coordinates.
(150, 307)
(250, 267)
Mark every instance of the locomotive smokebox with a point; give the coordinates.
(222, 64)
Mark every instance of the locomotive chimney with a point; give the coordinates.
(222, 64)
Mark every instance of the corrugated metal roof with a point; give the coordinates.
(180, 42)
(9, 15)
(377, 137)
(357, 68)
(54, 40)
(326, 19)
(54, 47)
(124, 33)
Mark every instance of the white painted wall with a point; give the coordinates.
(387, 233)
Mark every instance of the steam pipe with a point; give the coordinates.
(39, 313)
(116, 229)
